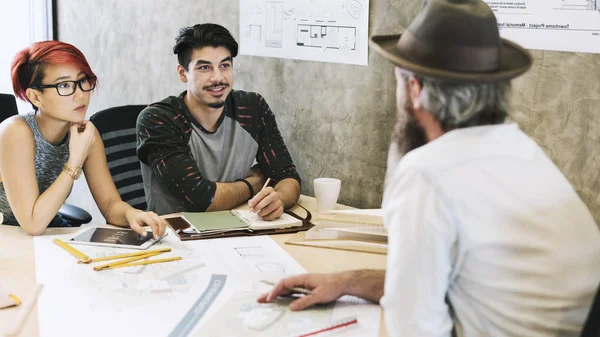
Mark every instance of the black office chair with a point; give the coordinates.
(591, 328)
(73, 215)
(117, 128)
(8, 106)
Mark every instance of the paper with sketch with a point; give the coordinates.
(148, 300)
(241, 315)
(565, 25)
(315, 30)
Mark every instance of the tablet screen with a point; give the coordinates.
(113, 236)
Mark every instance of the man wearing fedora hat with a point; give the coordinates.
(486, 235)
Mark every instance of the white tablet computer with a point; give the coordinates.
(113, 237)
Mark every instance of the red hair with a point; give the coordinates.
(28, 66)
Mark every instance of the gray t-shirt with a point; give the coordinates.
(49, 162)
(182, 161)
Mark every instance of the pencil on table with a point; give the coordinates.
(26, 308)
(15, 298)
(125, 261)
(141, 263)
(122, 256)
(79, 255)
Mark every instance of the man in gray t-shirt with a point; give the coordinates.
(198, 149)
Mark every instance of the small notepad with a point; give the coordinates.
(255, 222)
(226, 221)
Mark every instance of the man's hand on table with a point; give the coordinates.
(325, 288)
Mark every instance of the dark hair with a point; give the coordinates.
(199, 36)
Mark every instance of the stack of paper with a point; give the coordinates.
(356, 230)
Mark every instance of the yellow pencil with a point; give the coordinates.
(79, 255)
(125, 261)
(122, 256)
(141, 263)
(15, 298)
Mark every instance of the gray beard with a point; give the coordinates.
(408, 133)
(414, 135)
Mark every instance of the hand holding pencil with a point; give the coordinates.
(267, 203)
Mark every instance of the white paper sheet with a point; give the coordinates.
(146, 300)
(245, 317)
(316, 30)
(159, 299)
(563, 25)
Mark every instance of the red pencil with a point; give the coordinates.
(333, 327)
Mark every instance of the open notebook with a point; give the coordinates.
(209, 224)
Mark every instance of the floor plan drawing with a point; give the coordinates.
(326, 37)
(159, 292)
(315, 30)
(241, 315)
(563, 25)
(274, 23)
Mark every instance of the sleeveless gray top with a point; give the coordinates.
(49, 162)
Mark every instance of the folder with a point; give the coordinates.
(356, 244)
(353, 230)
(211, 225)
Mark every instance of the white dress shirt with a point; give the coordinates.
(486, 237)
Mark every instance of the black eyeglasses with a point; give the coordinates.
(67, 88)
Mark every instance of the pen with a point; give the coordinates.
(297, 290)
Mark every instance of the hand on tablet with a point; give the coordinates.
(139, 219)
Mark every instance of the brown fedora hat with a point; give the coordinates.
(455, 40)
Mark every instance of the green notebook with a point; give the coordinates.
(214, 221)
(235, 220)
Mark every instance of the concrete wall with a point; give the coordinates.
(335, 119)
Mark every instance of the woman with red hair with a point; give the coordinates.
(43, 152)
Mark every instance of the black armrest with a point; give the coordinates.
(74, 215)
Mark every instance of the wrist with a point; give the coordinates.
(351, 279)
(280, 196)
(249, 186)
(131, 214)
(74, 162)
(72, 170)
(256, 183)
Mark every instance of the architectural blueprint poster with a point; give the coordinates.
(316, 30)
(563, 25)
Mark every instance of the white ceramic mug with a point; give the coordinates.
(327, 191)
